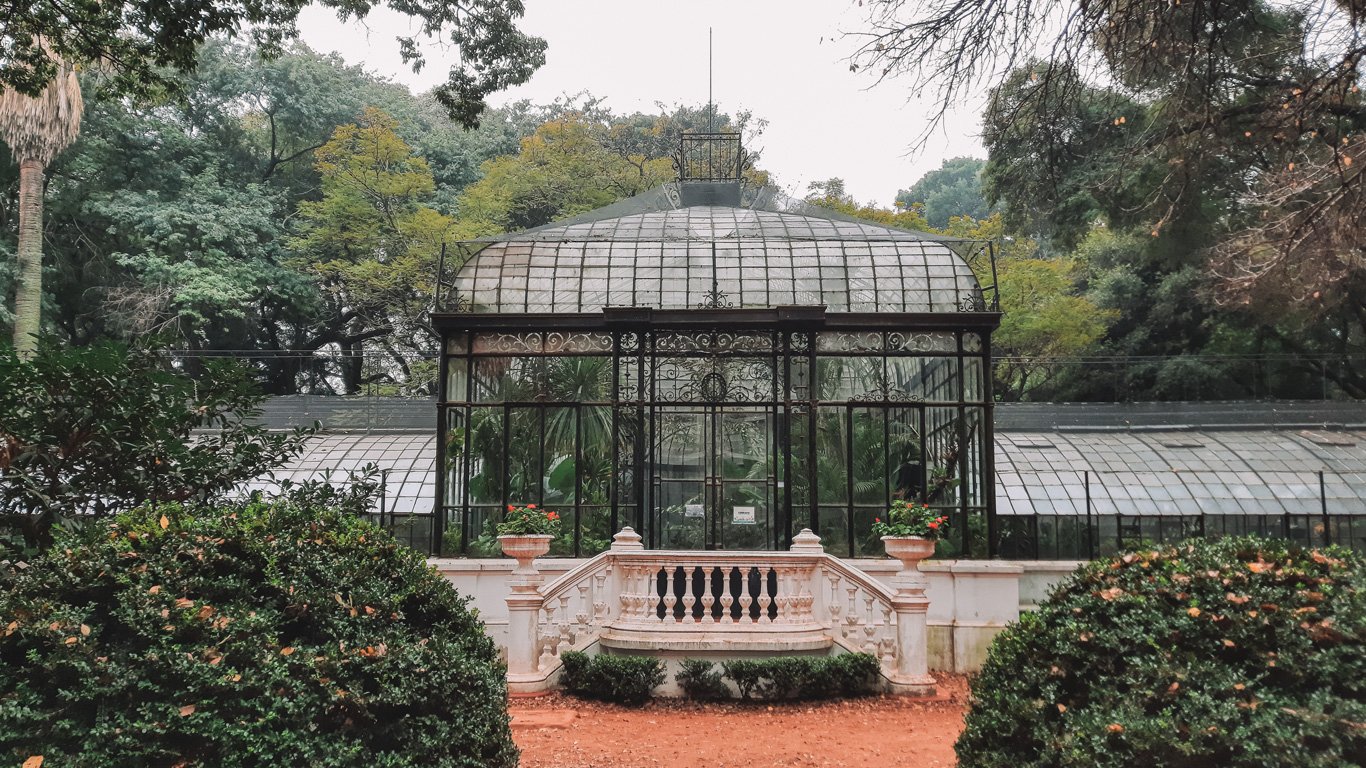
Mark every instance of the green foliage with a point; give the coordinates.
(256, 634)
(830, 194)
(905, 518)
(1238, 652)
(528, 520)
(93, 431)
(628, 680)
(952, 189)
(700, 680)
(800, 677)
(146, 44)
(581, 159)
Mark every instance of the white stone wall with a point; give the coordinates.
(970, 600)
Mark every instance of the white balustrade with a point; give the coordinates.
(803, 599)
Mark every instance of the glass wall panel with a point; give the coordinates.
(943, 451)
(457, 373)
(799, 436)
(452, 503)
(709, 439)
(974, 391)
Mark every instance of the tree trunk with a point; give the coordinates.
(28, 291)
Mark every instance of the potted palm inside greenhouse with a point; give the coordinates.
(526, 533)
(910, 531)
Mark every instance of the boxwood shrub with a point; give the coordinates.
(629, 680)
(262, 634)
(795, 677)
(1240, 652)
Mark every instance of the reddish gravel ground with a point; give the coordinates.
(559, 731)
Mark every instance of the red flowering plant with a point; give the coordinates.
(908, 518)
(529, 521)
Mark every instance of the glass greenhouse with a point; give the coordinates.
(717, 366)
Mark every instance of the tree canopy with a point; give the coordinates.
(952, 189)
(1201, 158)
(143, 45)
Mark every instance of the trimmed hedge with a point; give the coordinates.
(795, 677)
(700, 680)
(1239, 652)
(265, 634)
(626, 680)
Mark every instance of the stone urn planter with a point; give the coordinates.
(910, 550)
(525, 548)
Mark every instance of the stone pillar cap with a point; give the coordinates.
(627, 538)
(806, 541)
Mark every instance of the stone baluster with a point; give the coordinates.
(871, 627)
(833, 604)
(708, 598)
(585, 612)
(887, 648)
(764, 599)
(652, 596)
(599, 596)
(670, 599)
(550, 645)
(689, 599)
(626, 601)
(851, 617)
(783, 599)
(727, 599)
(745, 598)
(566, 627)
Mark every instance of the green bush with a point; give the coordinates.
(700, 680)
(747, 674)
(261, 634)
(620, 679)
(92, 431)
(800, 677)
(1239, 652)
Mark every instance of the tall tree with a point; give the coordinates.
(37, 127)
(952, 189)
(371, 243)
(147, 42)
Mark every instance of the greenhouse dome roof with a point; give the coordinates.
(675, 248)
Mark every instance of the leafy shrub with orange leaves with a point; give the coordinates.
(266, 633)
(1239, 652)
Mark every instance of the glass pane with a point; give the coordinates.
(905, 465)
(680, 472)
(746, 509)
(486, 456)
(943, 451)
(456, 375)
(832, 456)
(527, 455)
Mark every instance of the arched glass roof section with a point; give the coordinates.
(1258, 473)
(1265, 473)
(653, 251)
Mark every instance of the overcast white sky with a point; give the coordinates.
(785, 61)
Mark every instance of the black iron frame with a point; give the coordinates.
(633, 332)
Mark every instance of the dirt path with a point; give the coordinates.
(563, 732)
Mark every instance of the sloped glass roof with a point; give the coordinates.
(1257, 472)
(1261, 472)
(656, 253)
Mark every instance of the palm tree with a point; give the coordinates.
(36, 128)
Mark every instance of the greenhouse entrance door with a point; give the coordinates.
(714, 479)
